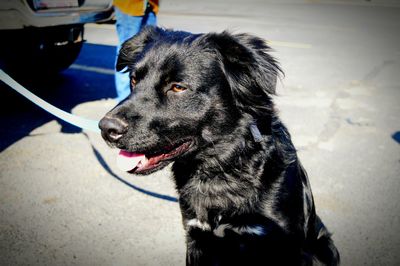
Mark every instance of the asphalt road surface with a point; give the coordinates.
(64, 202)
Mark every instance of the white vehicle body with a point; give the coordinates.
(18, 14)
(47, 35)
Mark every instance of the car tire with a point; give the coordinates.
(52, 58)
(42, 50)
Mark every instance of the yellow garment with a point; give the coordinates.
(135, 7)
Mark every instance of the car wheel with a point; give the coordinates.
(41, 50)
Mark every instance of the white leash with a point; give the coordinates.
(83, 123)
(88, 124)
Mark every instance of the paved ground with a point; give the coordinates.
(63, 202)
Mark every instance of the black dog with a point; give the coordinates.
(203, 102)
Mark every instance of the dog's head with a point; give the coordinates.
(188, 92)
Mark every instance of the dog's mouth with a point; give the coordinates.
(142, 163)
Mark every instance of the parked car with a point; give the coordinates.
(46, 35)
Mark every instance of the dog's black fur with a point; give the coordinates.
(244, 196)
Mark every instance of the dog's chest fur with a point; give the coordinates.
(228, 193)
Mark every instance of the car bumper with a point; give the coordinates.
(18, 15)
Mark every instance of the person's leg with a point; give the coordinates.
(127, 26)
(150, 19)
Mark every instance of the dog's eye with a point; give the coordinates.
(177, 88)
(133, 82)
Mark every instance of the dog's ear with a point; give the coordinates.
(133, 47)
(251, 72)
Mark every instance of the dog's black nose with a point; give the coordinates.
(112, 129)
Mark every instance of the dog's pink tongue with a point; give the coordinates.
(127, 161)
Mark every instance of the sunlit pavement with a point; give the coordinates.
(64, 202)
